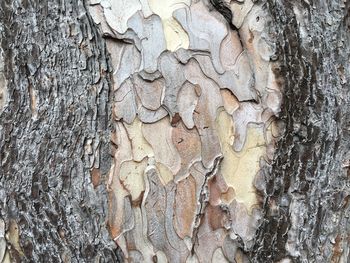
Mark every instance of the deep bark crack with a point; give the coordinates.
(203, 200)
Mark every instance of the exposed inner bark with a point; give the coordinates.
(195, 103)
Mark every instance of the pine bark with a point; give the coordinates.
(57, 104)
(56, 140)
(307, 193)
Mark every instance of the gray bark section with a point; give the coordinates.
(307, 187)
(55, 128)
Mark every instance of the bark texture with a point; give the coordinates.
(54, 134)
(307, 193)
(156, 126)
(195, 102)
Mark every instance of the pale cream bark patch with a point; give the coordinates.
(175, 35)
(165, 174)
(239, 168)
(12, 237)
(139, 146)
(131, 177)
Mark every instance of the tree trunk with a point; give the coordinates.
(174, 131)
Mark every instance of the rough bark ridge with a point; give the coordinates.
(307, 206)
(54, 131)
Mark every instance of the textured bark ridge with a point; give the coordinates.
(307, 206)
(194, 107)
(54, 134)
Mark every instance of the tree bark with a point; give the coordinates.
(307, 195)
(175, 131)
(55, 129)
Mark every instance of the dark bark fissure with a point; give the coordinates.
(203, 200)
(54, 131)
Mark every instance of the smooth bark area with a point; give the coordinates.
(153, 131)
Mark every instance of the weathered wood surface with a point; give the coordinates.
(159, 125)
